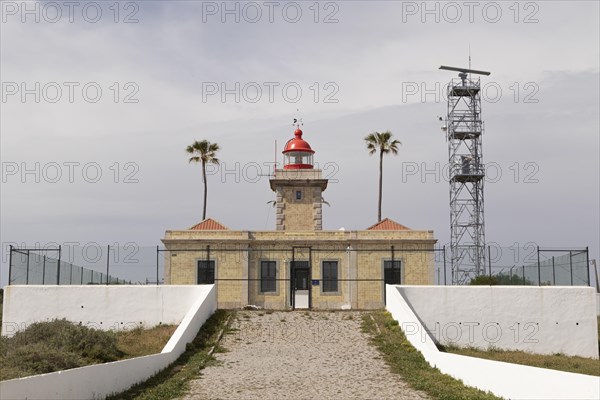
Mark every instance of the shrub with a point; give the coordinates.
(500, 279)
(52, 346)
(484, 280)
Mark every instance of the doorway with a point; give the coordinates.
(300, 284)
(300, 279)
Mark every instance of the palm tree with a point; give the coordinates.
(204, 152)
(384, 143)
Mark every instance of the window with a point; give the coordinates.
(268, 275)
(298, 195)
(206, 272)
(391, 272)
(330, 276)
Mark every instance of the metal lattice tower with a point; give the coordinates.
(464, 129)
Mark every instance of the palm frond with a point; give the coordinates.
(204, 151)
(383, 142)
(372, 141)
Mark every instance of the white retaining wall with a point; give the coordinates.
(112, 307)
(543, 320)
(101, 380)
(510, 381)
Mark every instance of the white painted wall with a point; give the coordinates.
(544, 320)
(204, 307)
(102, 307)
(598, 304)
(99, 381)
(510, 381)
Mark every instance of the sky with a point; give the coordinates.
(100, 100)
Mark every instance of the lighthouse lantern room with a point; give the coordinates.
(297, 153)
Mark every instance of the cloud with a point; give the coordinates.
(368, 58)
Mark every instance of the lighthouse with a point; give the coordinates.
(298, 188)
(299, 265)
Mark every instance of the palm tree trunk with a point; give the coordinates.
(205, 189)
(380, 184)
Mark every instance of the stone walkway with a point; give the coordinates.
(299, 355)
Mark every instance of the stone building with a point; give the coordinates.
(299, 265)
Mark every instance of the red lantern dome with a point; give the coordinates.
(297, 153)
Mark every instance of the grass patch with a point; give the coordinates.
(173, 382)
(406, 361)
(58, 345)
(142, 342)
(579, 365)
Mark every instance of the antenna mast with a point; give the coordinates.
(469, 55)
(275, 165)
(464, 129)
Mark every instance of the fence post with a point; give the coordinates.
(523, 274)
(445, 282)
(10, 262)
(292, 278)
(310, 275)
(157, 251)
(393, 272)
(107, 264)
(208, 262)
(553, 272)
(587, 264)
(571, 266)
(58, 265)
(44, 271)
(539, 267)
(71, 275)
(490, 260)
(27, 273)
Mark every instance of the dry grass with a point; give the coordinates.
(579, 365)
(142, 342)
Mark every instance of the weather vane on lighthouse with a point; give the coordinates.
(297, 121)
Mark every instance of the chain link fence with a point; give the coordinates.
(82, 265)
(133, 264)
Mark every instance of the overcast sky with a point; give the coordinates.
(122, 90)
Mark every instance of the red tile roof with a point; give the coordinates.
(209, 224)
(387, 225)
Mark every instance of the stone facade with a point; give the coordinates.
(298, 204)
(359, 256)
